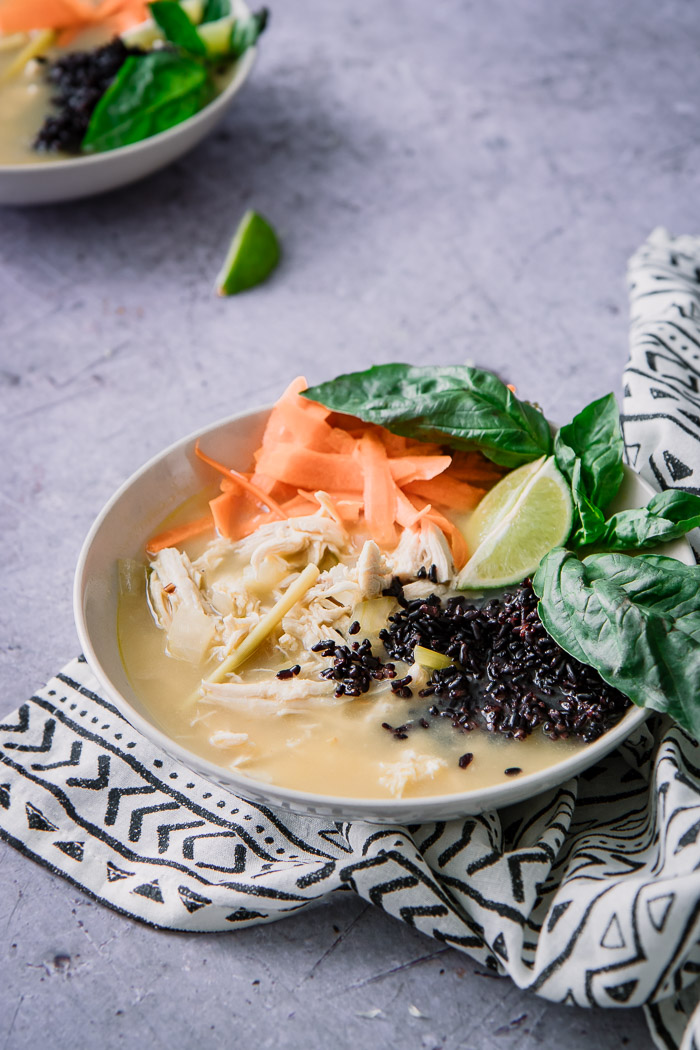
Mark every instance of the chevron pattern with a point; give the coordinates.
(588, 894)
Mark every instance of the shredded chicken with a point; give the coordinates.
(423, 546)
(223, 738)
(312, 536)
(373, 573)
(174, 581)
(410, 768)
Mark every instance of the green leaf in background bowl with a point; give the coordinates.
(150, 93)
(216, 9)
(177, 27)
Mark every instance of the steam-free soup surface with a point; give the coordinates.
(25, 101)
(327, 748)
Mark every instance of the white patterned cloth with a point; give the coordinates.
(588, 894)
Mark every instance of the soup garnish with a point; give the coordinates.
(315, 618)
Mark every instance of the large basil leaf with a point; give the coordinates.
(589, 453)
(635, 619)
(667, 516)
(467, 407)
(176, 26)
(150, 93)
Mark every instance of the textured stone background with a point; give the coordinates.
(450, 181)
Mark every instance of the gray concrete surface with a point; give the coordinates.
(450, 181)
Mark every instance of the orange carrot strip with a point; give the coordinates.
(349, 509)
(305, 467)
(447, 491)
(405, 469)
(178, 534)
(224, 509)
(298, 506)
(295, 419)
(69, 17)
(248, 486)
(379, 492)
(475, 468)
(406, 514)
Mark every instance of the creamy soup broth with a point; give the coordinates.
(330, 748)
(25, 101)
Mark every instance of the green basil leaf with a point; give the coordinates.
(667, 516)
(594, 437)
(150, 93)
(589, 453)
(246, 31)
(466, 407)
(589, 520)
(635, 619)
(176, 26)
(216, 9)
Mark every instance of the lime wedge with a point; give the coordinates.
(526, 514)
(217, 35)
(252, 257)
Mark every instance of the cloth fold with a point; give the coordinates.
(588, 894)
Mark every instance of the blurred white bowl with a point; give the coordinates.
(52, 181)
(121, 530)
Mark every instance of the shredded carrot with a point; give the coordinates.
(178, 534)
(475, 469)
(311, 458)
(379, 492)
(71, 16)
(240, 479)
(304, 467)
(406, 514)
(448, 492)
(417, 468)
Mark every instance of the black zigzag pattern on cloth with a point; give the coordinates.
(661, 418)
(587, 894)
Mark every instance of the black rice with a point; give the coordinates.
(355, 667)
(81, 79)
(508, 676)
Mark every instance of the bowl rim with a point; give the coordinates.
(493, 797)
(36, 170)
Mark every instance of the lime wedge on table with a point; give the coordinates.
(526, 514)
(252, 257)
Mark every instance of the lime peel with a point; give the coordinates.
(253, 255)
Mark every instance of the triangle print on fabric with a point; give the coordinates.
(658, 909)
(676, 468)
(114, 874)
(192, 901)
(151, 890)
(71, 849)
(613, 938)
(36, 819)
(620, 993)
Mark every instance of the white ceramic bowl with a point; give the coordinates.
(50, 182)
(121, 530)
